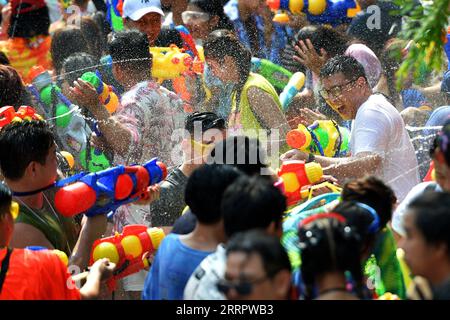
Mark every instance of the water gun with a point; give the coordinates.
(431, 174)
(114, 9)
(447, 47)
(294, 86)
(127, 250)
(106, 94)
(103, 192)
(323, 137)
(332, 12)
(25, 113)
(188, 41)
(61, 254)
(275, 74)
(172, 62)
(70, 127)
(295, 176)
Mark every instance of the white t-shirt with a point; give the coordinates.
(378, 128)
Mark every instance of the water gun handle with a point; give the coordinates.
(294, 86)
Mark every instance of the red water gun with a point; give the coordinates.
(127, 250)
(295, 176)
(104, 191)
(8, 115)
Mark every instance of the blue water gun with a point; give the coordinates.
(294, 86)
(333, 12)
(104, 191)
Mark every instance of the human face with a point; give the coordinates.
(227, 71)
(46, 174)
(341, 94)
(200, 149)
(419, 255)
(150, 24)
(246, 271)
(441, 170)
(199, 23)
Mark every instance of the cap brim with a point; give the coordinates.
(142, 12)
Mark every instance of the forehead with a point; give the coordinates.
(242, 263)
(151, 17)
(334, 80)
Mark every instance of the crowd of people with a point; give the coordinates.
(219, 128)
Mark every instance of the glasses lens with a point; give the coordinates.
(244, 288)
(223, 287)
(195, 16)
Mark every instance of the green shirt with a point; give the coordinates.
(59, 230)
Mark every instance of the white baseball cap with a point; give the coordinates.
(136, 9)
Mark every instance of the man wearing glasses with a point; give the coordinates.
(379, 143)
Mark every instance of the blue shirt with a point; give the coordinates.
(172, 267)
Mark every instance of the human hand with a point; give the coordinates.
(103, 269)
(307, 116)
(153, 193)
(294, 154)
(309, 57)
(84, 94)
(149, 257)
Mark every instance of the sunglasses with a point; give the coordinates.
(243, 288)
(186, 16)
(336, 91)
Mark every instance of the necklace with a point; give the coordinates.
(45, 222)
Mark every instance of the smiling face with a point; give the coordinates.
(150, 24)
(199, 23)
(342, 94)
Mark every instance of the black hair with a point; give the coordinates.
(21, 143)
(214, 8)
(208, 120)
(169, 36)
(4, 59)
(391, 59)
(375, 193)
(243, 152)
(65, 42)
(431, 212)
(5, 199)
(348, 66)
(76, 64)
(204, 191)
(442, 140)
(12, 90)
(130, 49)
(29, 24)
(324, 37)
(328, 245)
(273, 255)
(104, 27)
(221, 43)
(252, 203)
(359, 218)
(93, 36)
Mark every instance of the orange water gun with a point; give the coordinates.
(127, 250)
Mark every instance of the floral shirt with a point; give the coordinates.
(152, 114)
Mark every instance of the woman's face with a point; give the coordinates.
(227, 71)
(199, 23)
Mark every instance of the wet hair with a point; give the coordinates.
(29, 24)
(273, 256)
(252, 203)
(328, 244)
(93, 37)
(205, 188)
(21, 143)
(348, 66)
(324, 37)
(75, 65)
(5, 199)
(130, 49)
(104, 28)
(214, 8)
(12, 90)
(65, 42)
(208, 120)
(167, 37)
(221, 43)
(375, 193)
(247, 154)
(431, 212)
(442, 140)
